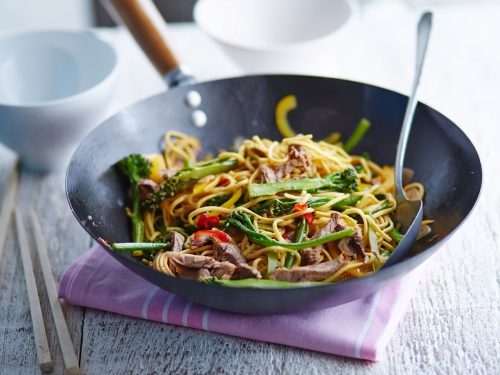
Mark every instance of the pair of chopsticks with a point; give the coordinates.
(42, 347)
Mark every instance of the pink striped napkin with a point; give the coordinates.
(359, 329)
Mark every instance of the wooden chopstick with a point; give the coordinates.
(67, 349)
(7, 206)
(41, 343)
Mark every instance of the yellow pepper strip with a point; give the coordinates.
(362, 186)
(231, 201)
(200, 187)
(285, 105)
(333, 138)
(157, 164)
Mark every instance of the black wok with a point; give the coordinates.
(441, 155)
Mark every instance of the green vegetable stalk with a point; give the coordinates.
(126, 247)
(396, 235)
(345, 182)
(241, 221)
(260, 283)
(380, 207)
(272, 262)
(300, 234)
(285, 205)
(357, 135)
(345, 203)
(136, 167)
(187, 177)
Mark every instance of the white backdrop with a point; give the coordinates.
(19, 15)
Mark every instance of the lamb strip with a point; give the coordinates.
(190, 260)
(267, 173)
(246, 271)
(298, 157)
(350, 246)
(315, 272)
(228, 252)
(353, 246)
(177, 241)
(202, 240)
(191, 266)
(314, 255)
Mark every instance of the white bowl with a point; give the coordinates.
(54, 87)
(269, 36)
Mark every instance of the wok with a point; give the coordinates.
(441, 155)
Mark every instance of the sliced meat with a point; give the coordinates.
(245, 271)
(190, 260)
(235, 234)
(206, 238)
(147, 187)
(352, 246)
(267, 173)
(203, 273)
(196, 267)
(334, 225)
(316, 272)
(191, 266)
(176, 240)
(301, 155)
(224, 270)
(202, 240)
(298, 157)
(229, 252)
(223, 251)
(226, 253)
(314, 255)
(311, 255)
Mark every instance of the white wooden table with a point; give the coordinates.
(453, 323)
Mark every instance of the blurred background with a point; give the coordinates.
(32, 14)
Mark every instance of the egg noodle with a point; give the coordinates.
(212, 199)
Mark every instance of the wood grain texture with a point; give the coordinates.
(7, 206)
(66, 241)
(40, 335)
(65, 344)
(453, 322)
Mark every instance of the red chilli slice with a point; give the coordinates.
(301, 207)
(207, 222)
(220, 235)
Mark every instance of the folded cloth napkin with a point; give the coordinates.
(359, 329)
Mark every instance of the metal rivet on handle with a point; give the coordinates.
(199, 118)
(193, 99)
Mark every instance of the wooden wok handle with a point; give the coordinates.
(148, 27)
